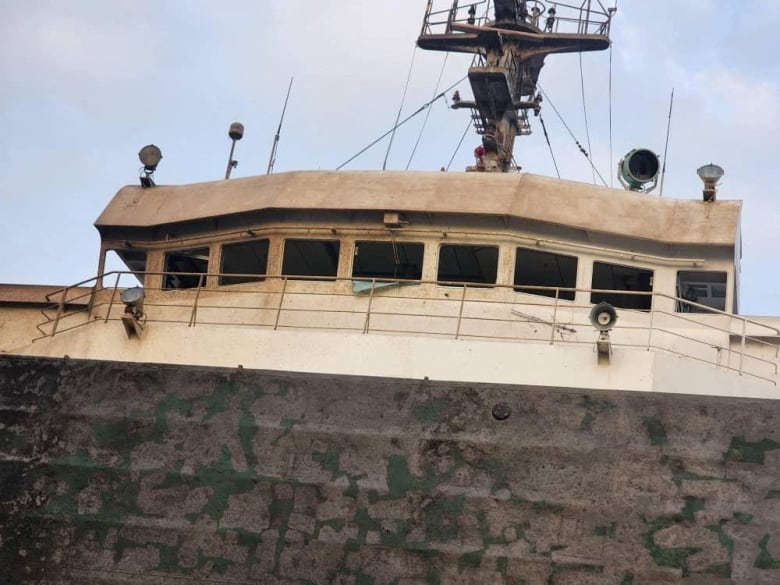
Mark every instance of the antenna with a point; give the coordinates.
(510, 44)
(235, 132)
(666, 148)
(272, 159)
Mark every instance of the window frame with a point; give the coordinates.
(566, 295)
(260, 276)
(468, 281)
(313, 277)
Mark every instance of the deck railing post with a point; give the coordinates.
(652, 323)
(366, 325)
(281, 301)
(742, 348)
(460, 312)
(554, 316)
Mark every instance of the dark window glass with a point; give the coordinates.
(310, 258)
(613, 277)
(392, 260)
(535, 268)
(186, 268)
(460, 263)
(703, 288)
(247, 260)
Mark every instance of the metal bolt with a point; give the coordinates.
(501, 411)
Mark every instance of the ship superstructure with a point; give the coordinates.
(398, 378)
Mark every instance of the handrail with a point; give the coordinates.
(426, 305)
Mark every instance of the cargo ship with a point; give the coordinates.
(400, 378)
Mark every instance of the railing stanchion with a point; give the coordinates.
(742, 349)
(460, 312)
(652, 323)
(281, 301)
(554, 316)
(113, 295)
(370, 302)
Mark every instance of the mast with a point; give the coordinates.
(510, 40)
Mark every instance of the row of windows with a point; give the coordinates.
(458, 263)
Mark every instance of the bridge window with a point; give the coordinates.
(703, 288)
(311, 258)
(613, 277)
(391, 260)
(462, 263)
(536, 268)
(248, 261)
(186, 268)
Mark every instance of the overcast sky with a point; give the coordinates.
(86, 83)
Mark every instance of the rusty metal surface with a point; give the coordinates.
(130, 473)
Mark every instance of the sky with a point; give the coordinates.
(87, 83)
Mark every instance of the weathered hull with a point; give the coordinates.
(118, 472)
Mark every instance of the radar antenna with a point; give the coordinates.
(510, 43)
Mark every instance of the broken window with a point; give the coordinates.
(391, 260)
(704, 288)
(311, 258)
(186, 268)
(248, 261)
(462, 263)
(614, 277)
(535, 268)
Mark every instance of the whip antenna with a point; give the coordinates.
(272, 159)
(666, 148)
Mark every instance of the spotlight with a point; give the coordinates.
(710, 175)
(638, 170)
(133, 318)
(150, 156)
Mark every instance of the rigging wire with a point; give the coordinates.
(585, 113)
(428, 113)
(666, 148)
(460, 143)
(402, 122)
(611, 179)
(401, 107)
(577, 142)
(547, 138)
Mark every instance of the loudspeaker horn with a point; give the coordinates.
(603, 316)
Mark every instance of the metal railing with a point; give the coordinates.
(508, 313)
(589, 17)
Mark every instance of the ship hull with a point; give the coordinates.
(115, 472)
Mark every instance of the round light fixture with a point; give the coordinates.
(150, 156)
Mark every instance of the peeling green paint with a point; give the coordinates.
(656, 431)
(743, 451)
(608, 531)
(430, 411)
(765, 561)
(471, 560)
(673, 557)
(442, 518)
